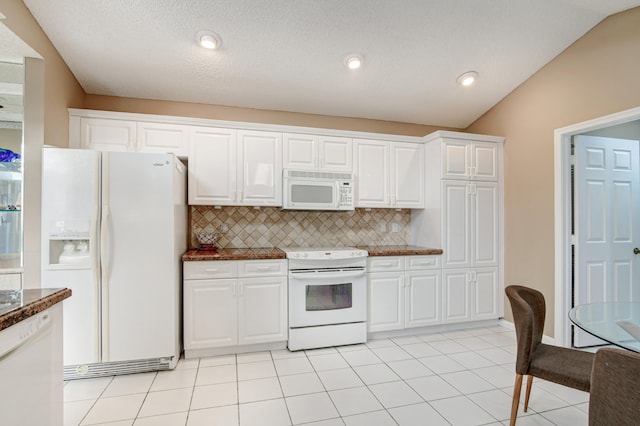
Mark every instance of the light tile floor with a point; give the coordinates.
(456, 378)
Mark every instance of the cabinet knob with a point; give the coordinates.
(636, 250)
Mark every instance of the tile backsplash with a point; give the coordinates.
(248, 227)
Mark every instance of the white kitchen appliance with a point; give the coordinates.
(113, 231)
(315, 190)
(327, 297)
(30, 359)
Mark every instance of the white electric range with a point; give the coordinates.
(327, 296)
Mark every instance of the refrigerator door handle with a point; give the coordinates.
(104, 261)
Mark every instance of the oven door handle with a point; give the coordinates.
(326, 275)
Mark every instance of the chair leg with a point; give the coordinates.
(516, 399)
(526, 397)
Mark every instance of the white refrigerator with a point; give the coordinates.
(113, 231)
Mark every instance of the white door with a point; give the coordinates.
(163, 138)
(300, 151)
(456, 295)
(138, 286)
(456, 223)
(607, 226)
(386, 301)
(71, 201)
(484, 161)
(335, 153)
(212, 166)
(260, 168)
(485, 223)
(262, 310)
(210, 313)
(456, 162)
(423, 306)
(107, 135)
(407, 175)
(485, 293)
(372, 173)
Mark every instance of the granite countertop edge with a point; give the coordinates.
(43, 301)
(235, 254)
(407, 250)
(275, 253)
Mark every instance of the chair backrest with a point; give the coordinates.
(529, 312)
(615, 388)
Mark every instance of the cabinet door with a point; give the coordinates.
(371, 173)
(484, 161)
(456, 161)
(407, 175)
(260, 168)
(300, 151)
(163, 137)
(485, 297)
(107, 135)
(423, 301)
(210, 313)
(262, 310)
(335, 153)
(386, 301)
(456, 295)
(485, 218)
(212, 166)
(456, 223)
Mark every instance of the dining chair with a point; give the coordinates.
(568, 367)
(615, 386)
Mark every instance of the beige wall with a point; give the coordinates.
(62, 90)
(11, 139)
(596, 76)
(218, 112)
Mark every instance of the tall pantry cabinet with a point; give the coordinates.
(463, 214)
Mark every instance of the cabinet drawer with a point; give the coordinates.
(210, 269)
(385, 264)
(423, 262)
(262, 268)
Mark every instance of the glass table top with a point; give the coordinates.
(616, 322)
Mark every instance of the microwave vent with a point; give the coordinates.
(317, 175)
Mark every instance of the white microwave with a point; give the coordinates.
(315, 190)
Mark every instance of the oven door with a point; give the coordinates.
(324, 297)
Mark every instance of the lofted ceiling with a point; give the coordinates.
(289, 55)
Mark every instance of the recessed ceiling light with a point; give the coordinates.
(468, 78)
(208, 40)
(353, 62)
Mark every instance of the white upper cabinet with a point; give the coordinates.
(163, 138)
(371, 173)
(212, 166)
(407, 175)
(105, 135)
(335, 153)
(389, 174)
(235, 167)
(312, 152)
(260, 168)
(469, 160)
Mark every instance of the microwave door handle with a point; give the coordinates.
(337, 195)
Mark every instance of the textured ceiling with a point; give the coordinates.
(288, 54)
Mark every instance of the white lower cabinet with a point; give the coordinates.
(232, 303)
(470, 294)
(403, 292)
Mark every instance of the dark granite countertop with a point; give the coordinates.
(235, 254)
(399, 250)
(18, 305)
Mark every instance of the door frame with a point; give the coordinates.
(562, 213)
